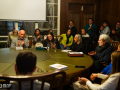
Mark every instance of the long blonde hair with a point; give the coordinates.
(115, 65)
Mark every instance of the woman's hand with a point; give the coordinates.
(65, 46)
(93, 76)
(38, 36)
(82, 80)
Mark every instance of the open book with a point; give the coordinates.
(58, 66)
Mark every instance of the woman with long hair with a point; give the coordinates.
(51, 42)
(67, 39)
(37, 37)
(77, 45)
(110, 82)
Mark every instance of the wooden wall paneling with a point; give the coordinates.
(110, 11)
(71, 5)
(63, 16)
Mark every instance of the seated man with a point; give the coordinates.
(26, 65)
(115, 35)
(102, 53)
(20, 41)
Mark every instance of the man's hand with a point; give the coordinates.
(113, 31)
(19, 43)
(101, 28)
(82, 80)
(92, 53)
(23, 42)
(93, 76)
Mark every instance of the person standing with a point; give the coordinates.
(104, 29)
(116, 32)
(91, 29)
(73, 28)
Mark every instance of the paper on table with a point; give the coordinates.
(66, 50)
(19, 48)
(75, 52)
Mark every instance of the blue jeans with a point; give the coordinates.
(62, 46)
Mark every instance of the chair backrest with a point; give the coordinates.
(30, 42)
(42, 77)
(114, 45)
(15, 36)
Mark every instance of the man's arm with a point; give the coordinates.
(106, 30)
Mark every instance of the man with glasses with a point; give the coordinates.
(116, 32)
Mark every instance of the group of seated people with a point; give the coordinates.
(109, 74)
(78, 42)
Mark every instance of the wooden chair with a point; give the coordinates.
(15, 36)
(114, 45)
(42, 77)
(30, 42)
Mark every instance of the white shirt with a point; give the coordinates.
(85, 35)
(26, 85)
(110, 84)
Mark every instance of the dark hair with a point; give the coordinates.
(72, 21)
(52, 37)
(91, 19)
(36, 30)
(26, 62)
(118, 22)
(68, 29)
(105, 22)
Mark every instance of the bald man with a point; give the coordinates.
(20, 41)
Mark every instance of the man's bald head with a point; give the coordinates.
(21, 34)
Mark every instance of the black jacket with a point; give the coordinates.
(77, 47)
(56, 42)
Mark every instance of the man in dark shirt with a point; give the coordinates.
(116, 32)
(73, 28)
(102, 53)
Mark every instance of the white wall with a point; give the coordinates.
(16, 10)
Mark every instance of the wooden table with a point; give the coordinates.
(44, 59)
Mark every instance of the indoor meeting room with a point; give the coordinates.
(59, 45)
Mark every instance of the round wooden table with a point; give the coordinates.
(44, 59)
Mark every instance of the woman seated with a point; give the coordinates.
(86, 41)
(84, 34)
(110, 82)
(37, 38)
(67, 40)
(51, 42)
(77, 45)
